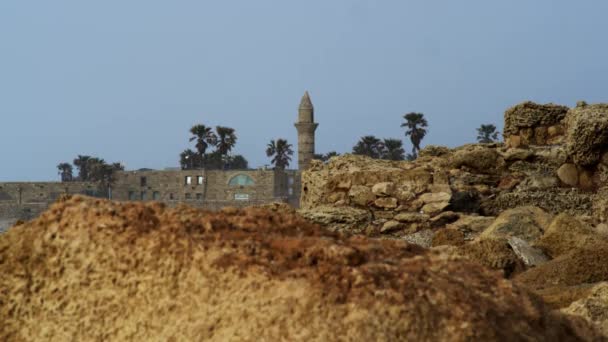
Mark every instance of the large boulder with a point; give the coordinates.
(587, 133)
(566, 233)
(480, 158)
(526, 223)
(593, 308)
(580, 266)
(530, 115)
(95, 270)
(495, 253)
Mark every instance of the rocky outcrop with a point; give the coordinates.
(96, 270)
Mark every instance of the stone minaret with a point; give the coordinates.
(306, 127)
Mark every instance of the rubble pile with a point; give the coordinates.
(534, 207)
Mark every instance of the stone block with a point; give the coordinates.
(386, 202)
(361, 195)
(384, 189)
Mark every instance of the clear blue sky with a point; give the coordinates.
(125, 79)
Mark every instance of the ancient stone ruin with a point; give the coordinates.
(499, 241)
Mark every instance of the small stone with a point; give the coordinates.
(444, 218)
(386, 202)
(435, 197)
(568, 174)
(518, 154)
(529, 255)
(344, 184)
(515, 141)
(384, 189)
(508, 182)
(404, 195)
(391, 226)
(602, 228)
(435, 208)
(385, 215)
(335, 197)
(527, 136)
(410, 217)
(554, 131)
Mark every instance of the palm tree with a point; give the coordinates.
(97, 169)
(204, 137)
(188, 159)
(238, 162)
(369, 146)
(282, 152)
(487, 134)
(393, 149)
(225, 142)
(327, 156)
(82, 163)
(65, 171)
(415, 123)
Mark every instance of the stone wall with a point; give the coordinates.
(42, 192)
(23, 201)
(530, 123)
(207, 189)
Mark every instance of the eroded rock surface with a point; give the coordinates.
(96, 270)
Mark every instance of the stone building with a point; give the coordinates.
(209, 189)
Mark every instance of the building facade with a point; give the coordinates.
(208, 189)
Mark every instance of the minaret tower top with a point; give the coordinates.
(306, 127)
(306, 110)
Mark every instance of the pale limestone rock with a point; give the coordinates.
(602, 229)
(527, 223)
(434, 208)
(384, 215)
(386, 202)
(568, 174)
(476, 224)
(593, 308)
(404, 195)
(384, 189)
(514, 154)
(514, 141)
(566, 233)
(435, 197)
(361, 195)
(410, 217)
(336, 197)
(391, 226)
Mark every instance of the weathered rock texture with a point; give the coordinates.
(96, 270)
(587, 136)
(594, 308)
(530, 123)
